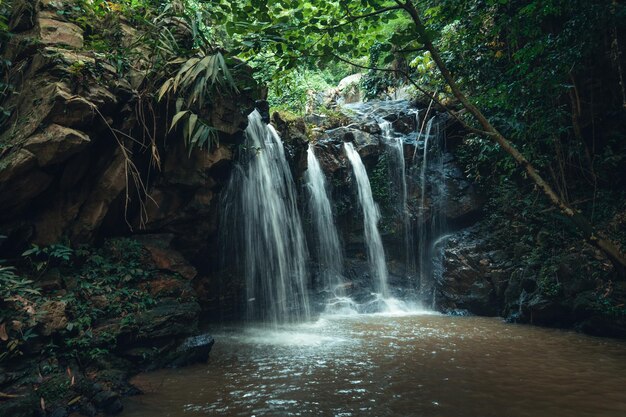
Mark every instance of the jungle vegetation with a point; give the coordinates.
(537, 84)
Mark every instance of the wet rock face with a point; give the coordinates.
(461, 204)
(467, 283)
(479, 278)
(62, 170)
(464, 204)
(401, 114)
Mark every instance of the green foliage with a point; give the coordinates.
(12, 285)
(521, 74)
(380, 183)
(286, 35)
(41, 258)
(100, 284)
(299, 89)
(376, 83)
(17, 290)
(548, 280)
(106, 289)
(6, 89)
(203, 72)
(196, 77)
(607, 306)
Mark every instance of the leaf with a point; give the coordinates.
(74, 400)
(183, 70)
(164, 88)
(9, 396)
(33, 250)
(177, 118)
(191, 144)
(207, 63)
(193, 118)
(3, 332)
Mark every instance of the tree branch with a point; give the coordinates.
(610, 249)
(353, 19)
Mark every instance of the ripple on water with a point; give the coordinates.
(405, 365)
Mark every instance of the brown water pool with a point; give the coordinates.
(380, 365)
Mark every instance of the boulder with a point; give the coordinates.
(194, 349)
(349, 89)
(169, 318)
(58, 33)
(20, 181)
(16, 164)
(56, 144)
(166, 258)
(110, 185)
(366, 144)
(108, 401)
(465, 283)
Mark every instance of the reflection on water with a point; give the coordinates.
(395, 365)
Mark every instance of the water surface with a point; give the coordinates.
(385, 365)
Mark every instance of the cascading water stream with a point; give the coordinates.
(328, 247)
(261, 199)
(422, 245)
(371, 216)
(430, 219)
(270, 249)
(398, 173)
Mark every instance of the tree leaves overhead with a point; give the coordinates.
(285, 33)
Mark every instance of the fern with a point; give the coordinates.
(196, 78)
(196, 131)
(12, 285)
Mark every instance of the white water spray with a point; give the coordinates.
(261, 199)
(328, 247)
(398, 175)
(371, 216)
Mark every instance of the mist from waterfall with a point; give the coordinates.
(327, 245)
(371, 216)
(260, 204)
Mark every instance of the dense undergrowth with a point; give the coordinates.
(57, 296)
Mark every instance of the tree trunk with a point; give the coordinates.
(609, 248)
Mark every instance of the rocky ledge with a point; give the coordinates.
(481, 278)
(97, 327)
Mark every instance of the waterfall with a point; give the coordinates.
(398, 176)
(262, 234)
(371, 215)
(260, 204)
(431, 221)
(328, 248)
